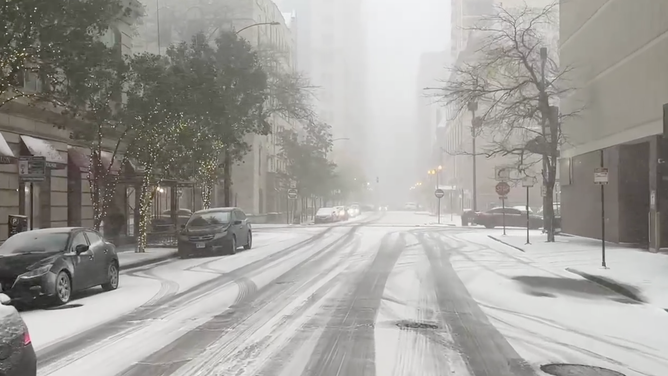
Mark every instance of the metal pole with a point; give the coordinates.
(438, 199)
(452, 207)
(475, 190)
(503, 213)
(602, 218)
(527, 208)
(32, 207)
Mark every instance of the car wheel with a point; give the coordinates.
(112, 277)
(63, 291)
(233, 245)
(249, 244)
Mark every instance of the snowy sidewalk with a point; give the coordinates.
(129, 259)
(635, 273)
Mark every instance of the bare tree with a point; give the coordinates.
(290, 92)
(511, 82)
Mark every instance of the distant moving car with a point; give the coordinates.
(410, 206)
(513, 218)
(326, 215)
(17, 355)
(54, 263)
(342, 213)
(215, 231)
(353, 210)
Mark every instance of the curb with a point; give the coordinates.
(140, 263)
(609, 284)
(504, 243)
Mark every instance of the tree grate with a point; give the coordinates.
(416, 325)
(577, 370)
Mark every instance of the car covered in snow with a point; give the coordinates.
(17, 356)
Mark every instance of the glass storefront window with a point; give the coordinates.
(35, 218)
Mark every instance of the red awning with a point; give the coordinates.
(42, 148)
(80, 157)
(6, 153)
(116, 167)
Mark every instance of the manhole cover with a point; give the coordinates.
(416, 325)
(542, 294)
(67, 306)
(577, 370)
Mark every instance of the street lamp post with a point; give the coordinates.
(475, 123)
(244, 28)
(543, 62)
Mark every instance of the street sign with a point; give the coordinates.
(32, 168)
(439, 193)
(502, 188)
(502, 173)
(292, 193)
(601, 175)
(529, 182)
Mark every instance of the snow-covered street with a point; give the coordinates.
(386, 294)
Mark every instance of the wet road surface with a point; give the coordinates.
(375, 296)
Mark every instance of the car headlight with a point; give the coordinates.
(220, 235)
(37, 272)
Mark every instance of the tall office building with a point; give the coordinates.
(619, 51)
(330, 44)
(429, 113)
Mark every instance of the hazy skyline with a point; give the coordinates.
(398, 32)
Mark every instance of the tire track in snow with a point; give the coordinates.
(59, 355)
(167, 289)
(485, 350)
(406, 342)
(201, 349)
(347, 345)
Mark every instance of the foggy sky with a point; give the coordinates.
(398, 31)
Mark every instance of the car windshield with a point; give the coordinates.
(209, 219)
(35, 242)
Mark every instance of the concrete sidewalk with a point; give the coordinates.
(635, 273)
(128, 258)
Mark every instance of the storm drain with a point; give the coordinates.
(416, 325)
(67, 306)
(577, 370)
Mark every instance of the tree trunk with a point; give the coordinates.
(146, 198)
(227, 179)
(207, 189)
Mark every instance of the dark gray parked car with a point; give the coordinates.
(215, 231)
(53, 263)
(17, 356)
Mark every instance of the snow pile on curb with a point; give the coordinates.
(637, 271)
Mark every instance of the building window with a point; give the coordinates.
(31, 81)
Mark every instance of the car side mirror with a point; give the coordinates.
(81, 248)
(237, 222)
(183, 227)
(5, 300)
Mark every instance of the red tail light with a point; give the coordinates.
(26, 338)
